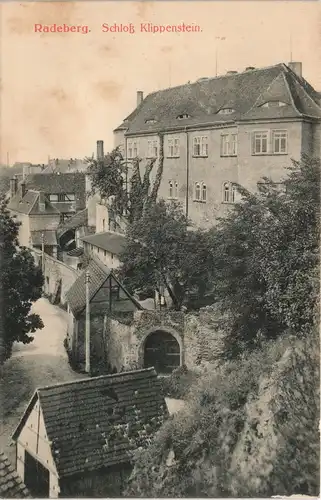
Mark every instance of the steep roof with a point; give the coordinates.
(29, 204)
(109, 241)
(99, 422)
(203, 100)
(77, 220)
(56, 183)
(99, 273)
(11, 485)
(50, 237)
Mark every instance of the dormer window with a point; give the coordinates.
(273, 104)
(226, 111)
(150, 121)
(183, 116)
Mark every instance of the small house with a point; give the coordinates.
(78, 438)
(11, 484)
(107, 246)
(108, 298)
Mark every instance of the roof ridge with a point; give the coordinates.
(226, 75)
(100, 377)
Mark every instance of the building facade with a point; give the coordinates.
(218, 132)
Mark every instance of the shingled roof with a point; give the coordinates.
(243, 92)
(11, 485)
(99, 273)
(109, 241)
(77, 220)
(99, 422)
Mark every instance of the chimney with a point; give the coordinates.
(100, 150)
(140, 97)
(42, 202)
(231, 72)
(23, 189)
(13, 186)
(249, 68)
(296, 67)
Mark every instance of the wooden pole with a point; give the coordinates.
(87, 324)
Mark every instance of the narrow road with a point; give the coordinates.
(43, 362)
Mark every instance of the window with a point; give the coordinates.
(105, 253)
(229, 145)
(280, 140)
(200, 146)
(197, 191)
(228, 192)
(273, 104)
(152, 151)
(183, 116)
(173, 189)
(173, 148)
(260, 143)
(103, 224)
(200, 192)
(132, 149)
(53, 197)
(151, 121)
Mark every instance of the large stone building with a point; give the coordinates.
(234, 128)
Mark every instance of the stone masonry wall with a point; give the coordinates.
(55, 270)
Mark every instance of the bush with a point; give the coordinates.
(178, 384)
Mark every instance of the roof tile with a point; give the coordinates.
(109, 241)
(10, 483)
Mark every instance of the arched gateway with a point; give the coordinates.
(163, 351)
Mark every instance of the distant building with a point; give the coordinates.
(11, 484)
(217, 132)
(78, 438)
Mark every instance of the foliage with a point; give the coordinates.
(21, 285)
(192, 454)
(266, 259)
(121, 184)
(161, 252)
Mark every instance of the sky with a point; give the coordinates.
(61, 92)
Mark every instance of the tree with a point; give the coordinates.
(21, 284)
(161, 252)
(266, 259)
(127, 194)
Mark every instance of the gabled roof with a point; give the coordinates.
(29, 204)
(99, 273)
(201, 101)
(99, 422)
(109, 241)
(11, 485)
(50, 238)
(77, 220)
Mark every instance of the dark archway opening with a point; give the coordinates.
(162, 351)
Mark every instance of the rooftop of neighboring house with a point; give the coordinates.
(98, 273)
(122, 413)
(254, 94)
(65, 166)
(11, 485)
(77, 220)
(111, 242)
(32, 203)
(61, 184)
